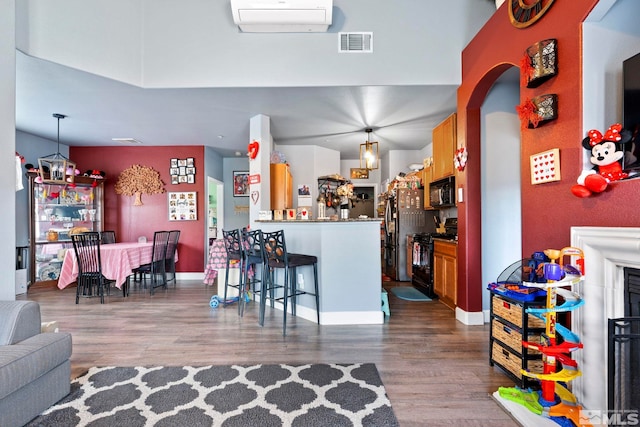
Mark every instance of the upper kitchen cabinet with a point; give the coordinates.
(444, 147)
(427, 177)
(281, 186)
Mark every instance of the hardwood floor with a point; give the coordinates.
(435, 369)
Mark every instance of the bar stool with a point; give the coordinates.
(233, 246)
(277, 257)
(253, 256)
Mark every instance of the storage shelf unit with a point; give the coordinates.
(509, 323)
(54, 210)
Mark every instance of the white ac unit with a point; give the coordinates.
(282, 16)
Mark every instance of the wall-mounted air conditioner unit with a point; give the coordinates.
(282, 16)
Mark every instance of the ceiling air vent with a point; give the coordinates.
(355, 42)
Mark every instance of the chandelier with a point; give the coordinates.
(56, 168)
(369, 153)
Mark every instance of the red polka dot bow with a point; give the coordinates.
(612, 134)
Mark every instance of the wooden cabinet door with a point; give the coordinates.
(281, 187)
(445, 272)
(444, 146)
(427, 174)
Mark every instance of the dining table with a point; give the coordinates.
(118, 262)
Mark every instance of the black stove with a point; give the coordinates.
(422, 265)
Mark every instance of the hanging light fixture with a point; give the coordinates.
(369, 153)
(56, 168)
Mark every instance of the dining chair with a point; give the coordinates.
(235, 254)
(170, 257)
(277, 257)
(155, 270)
(107, 237)
(254, 259)
(91, 281)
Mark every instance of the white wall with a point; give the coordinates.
(185, 43)
(7, 150)
(501, 177)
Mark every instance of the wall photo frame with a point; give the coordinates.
(240, 183)
(183, 206)
(182, 171)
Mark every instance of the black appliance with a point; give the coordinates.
(404, 216)
(422, 254)
(442, 193)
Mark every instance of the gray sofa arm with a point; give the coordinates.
(20, 320)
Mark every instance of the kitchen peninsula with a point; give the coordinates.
(349, 269)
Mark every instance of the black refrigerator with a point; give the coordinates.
(404, 216)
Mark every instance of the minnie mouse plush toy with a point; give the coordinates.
(606, 152)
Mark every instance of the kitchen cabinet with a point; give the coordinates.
(427, 177)
(281, 186)
(55, 210)
(444, 146)
(445, 271)
(509, 323)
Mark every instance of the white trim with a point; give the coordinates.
(469, 317)
(190, 276)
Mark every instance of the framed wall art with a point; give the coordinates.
(545, 166)
(240, 183)
(182, 171)
(183, 206)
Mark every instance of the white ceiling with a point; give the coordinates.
(100, 109)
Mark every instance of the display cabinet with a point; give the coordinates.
(56, 210)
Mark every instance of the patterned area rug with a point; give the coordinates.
(242, 396)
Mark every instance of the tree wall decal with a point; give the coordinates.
(137, 180)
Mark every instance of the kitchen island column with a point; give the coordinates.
(349, 268)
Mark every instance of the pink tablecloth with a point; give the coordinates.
(217, 259)
(118, 262)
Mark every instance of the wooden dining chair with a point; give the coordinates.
(170, 259)
(91, 281)
(155, 270)
(107, 237)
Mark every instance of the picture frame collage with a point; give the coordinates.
(182, 171)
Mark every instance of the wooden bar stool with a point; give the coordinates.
(278, 258)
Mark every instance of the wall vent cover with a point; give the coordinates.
(355, 42)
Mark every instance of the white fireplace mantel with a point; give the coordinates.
(607, 250)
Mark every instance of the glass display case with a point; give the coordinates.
(56, 210)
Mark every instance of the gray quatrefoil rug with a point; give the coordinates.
(234, 396)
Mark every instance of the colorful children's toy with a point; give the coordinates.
(554, 400)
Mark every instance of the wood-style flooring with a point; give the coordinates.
(435, 369)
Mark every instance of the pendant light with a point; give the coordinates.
(56, 168)
(369, 158)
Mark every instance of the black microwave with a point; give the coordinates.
(442, 193)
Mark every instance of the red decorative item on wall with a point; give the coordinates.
(252, 149)
(460, 158)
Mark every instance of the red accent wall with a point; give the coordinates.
(548, 210)
(131, 221)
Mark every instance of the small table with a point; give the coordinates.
(118, 262)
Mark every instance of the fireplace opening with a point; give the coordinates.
(624, 349)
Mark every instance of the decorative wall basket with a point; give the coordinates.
(540, 63)
(538, 111)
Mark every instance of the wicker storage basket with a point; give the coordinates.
(512, 312)
(512, 337)
(512, 362)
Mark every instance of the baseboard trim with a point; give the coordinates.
(469, 317)
(190, 276)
